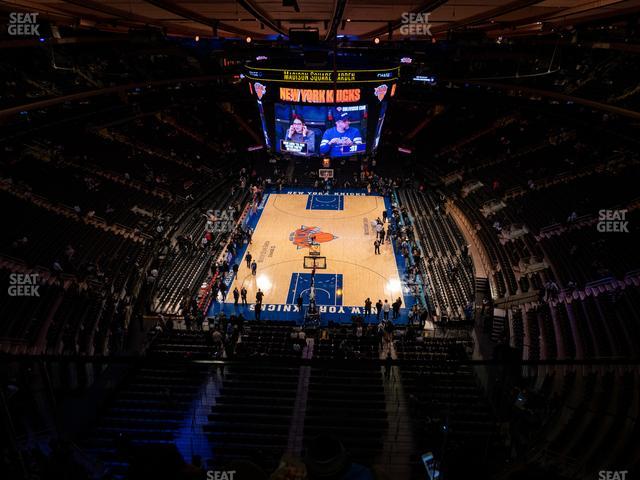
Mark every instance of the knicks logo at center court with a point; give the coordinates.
(303, 236)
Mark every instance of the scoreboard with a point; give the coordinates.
(327, 112)
(321, 76)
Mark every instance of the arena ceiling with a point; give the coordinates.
(365, 19)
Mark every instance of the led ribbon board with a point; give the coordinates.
(285, 75)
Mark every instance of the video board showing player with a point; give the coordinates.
(307, 130)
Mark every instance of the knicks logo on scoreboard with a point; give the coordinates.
(260, 89)
(303, 236)
(380, 91)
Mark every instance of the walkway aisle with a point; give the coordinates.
(296, 430)
(398, 442)
(191, 438)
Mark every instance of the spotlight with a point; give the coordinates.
(348, 19)
(263, 282)
(197, 39)
(376, 40)
(248, 39)
(394, 286)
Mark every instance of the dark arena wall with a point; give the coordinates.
(397, 243)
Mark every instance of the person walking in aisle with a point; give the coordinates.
(248, 258)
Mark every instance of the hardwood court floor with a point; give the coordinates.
(346, 238)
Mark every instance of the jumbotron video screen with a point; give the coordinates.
(321, 112)
(311, 130)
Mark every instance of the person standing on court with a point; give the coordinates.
(376, 247)
(248, 258)
(259, 296)
(299, 301)
(379, 228)
(243, 295)
(396, 308)
(385, 309)
(378, 309)
(214, 291)
(367, 307)
(382, 236)
(254, 268)
(236, 296)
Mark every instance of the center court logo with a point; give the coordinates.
(302, 236)
(415, 24)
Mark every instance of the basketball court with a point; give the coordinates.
(297, 231)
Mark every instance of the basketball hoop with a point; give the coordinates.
(317, 263)
(314, 249)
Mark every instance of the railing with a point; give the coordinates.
(422, 297)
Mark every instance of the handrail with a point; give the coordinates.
(422, 297)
